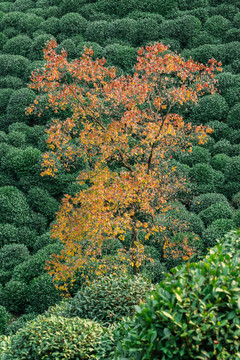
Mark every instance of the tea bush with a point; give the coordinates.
(55, 338)
(233, 118)
(194, 312)
(217, 25)
(217, 230)
(72, 24)
(220, 210)
(109, 298)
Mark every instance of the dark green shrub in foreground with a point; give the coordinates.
(54, 338)
(109, 298)
(220, 210)
(193, 314)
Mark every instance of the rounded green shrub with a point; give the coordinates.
(198, 155)
(72, 24)
(232, 52)
(55, 338)
(190, 5)
(41, 201)
(207, 51)
(13, 206)
(147, 30)
(232, 34)
(17, 139)
(232, 169)
(204, 201)
(217, 25)
(220, 210)
(33, 267)
(216, 231)
(220, 161)
(23, 5)
(232, 95)
(221, 130)
(189, 27)
(42, 241)
(204, 177)
(5, 95)
(120, 55)
(51, 26)
(96, 31)
(108, 299)
(11, 82)
(233, 118)
(11, 19)
(202, 38)
(15, 296)
(193, 313)
(14, 65)
(42, 294)
(226, 80)
(30, 23)
(13, 255)
(4, 319)
(210, 108)
(236, 20)
(17, 104)
(222, 147)
(123, 29)
(37, 46)
(18, 45)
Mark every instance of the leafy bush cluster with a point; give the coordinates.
(194, 313)
(201, 29)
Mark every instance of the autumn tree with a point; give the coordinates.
(125, 129)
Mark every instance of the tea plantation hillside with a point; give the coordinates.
(210, 208)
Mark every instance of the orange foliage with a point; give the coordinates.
(130, 120)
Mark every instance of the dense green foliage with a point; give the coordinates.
(193, 314)
(114, 29)
(108, 299)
